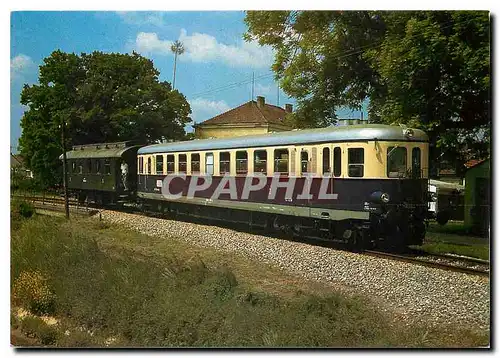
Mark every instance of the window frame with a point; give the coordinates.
(107, 164)
(170, 163)
(350, 164)
(264, 172)
(183, 163)
(159, 156)
(238, 164)
(327, 162)
(405, 156)
(302, 161)
(149, 166)
(141, 165)
(193, 171)
(337, 154)
(226, 162)
(275, 161)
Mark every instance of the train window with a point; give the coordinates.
(326, 160)
(89, 166)
(141, 165)
(107, 166)
(159, 164)
(149, 165)
(281, 161)
(224, 162)
(182, 163)
(396, 162)
(304, 162)
(241, 162)
(356, 161)
(337, 161)
(260, 162)
(209, 164)
(73, 166)
(80, 167)
(195, 163)
(98, 166)
(416, 163)
(170, 163)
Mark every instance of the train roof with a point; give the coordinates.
(353, 133)
(99, 150)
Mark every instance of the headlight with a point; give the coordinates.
(408, 132)
(380, 197)
(433, 197)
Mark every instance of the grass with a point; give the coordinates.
(129, 289)
(455, 238)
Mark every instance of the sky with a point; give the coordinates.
(214, 73)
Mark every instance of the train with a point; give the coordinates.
(360, 185)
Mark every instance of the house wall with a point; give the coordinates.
(236, 131)
(480, 171)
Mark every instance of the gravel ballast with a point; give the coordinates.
(414, 293)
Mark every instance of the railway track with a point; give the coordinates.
(430, 261)
(468, 265)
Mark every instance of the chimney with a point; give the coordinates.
(288, 108)
(261, 101)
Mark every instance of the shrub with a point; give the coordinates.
(26, 209)
(32, 292)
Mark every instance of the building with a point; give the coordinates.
(17, 166)
(478, 196)
(253, 117)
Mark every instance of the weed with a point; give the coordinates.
(35, 327)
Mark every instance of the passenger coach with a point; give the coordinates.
(374, 177)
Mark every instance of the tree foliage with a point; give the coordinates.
(427, 69)
(102, 98)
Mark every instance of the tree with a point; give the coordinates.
(102, 98)
(178, 49)
(427, 69)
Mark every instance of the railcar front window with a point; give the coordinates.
(170, 163)
(241, 162)
(209, 164)
(159, 164)
(224, 162)
(281, 161)
(326, 161)
(260, 162)
(73, 166)
(149, 165)
(396, 162)
(337, 161)
(98, 166)
(89, 166)
(195, 163)
(182, 163)
(80, 167)
(416, 163)
(356, 162)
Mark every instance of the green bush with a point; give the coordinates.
(31, 291)
(26, 209)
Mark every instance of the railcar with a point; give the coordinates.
(103, 173)
(361, 184)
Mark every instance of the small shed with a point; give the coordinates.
(478, 196)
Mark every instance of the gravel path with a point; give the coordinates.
(415, 293)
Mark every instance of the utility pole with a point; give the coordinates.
(278, 101)
(178, 49)
(65, 171)
(253, 83)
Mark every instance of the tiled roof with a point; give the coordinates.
(473, 162)
(249, 113)
(16, 160)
